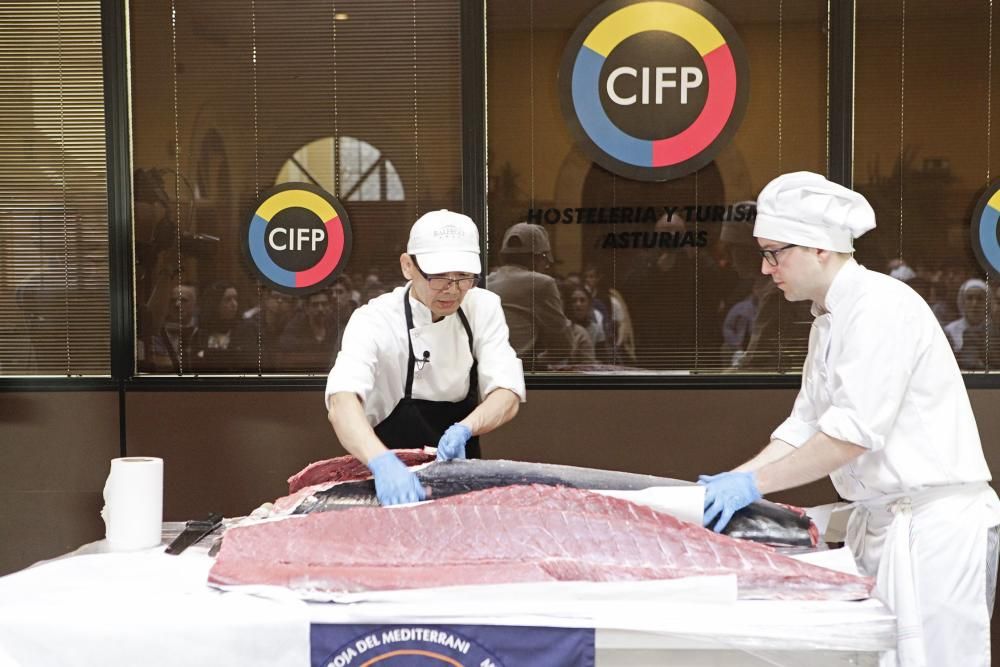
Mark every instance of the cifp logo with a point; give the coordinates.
(654, 90)
(984, 237)
(298, 238)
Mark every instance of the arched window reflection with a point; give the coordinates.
(365, 174)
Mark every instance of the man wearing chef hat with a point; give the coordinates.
(428, 363)
(883, 410)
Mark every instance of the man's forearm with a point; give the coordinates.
(774, 450)
(347, 417)
(496, 410)
(817, 458)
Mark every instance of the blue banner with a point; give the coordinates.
(418, 645)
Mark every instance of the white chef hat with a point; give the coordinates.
(807, 209)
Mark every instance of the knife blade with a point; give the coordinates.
(193, 532)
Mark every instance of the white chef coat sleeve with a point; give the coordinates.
(499, 366)
(801, 424)
(357, 362)
(872, 373)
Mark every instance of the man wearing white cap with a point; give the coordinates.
(429, 362)
(883, 410)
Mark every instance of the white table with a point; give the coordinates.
(146, 608)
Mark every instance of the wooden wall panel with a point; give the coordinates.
(231, 451)
(56, 449)
(227, 451)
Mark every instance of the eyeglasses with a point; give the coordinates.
(771, 256)
(441, 283)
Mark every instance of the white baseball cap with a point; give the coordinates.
(444, 241)
(807, 209)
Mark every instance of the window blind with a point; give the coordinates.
(54, 301)
(671, 267)
(925, 151)
(231, 98)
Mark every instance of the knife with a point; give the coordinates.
(193, 532)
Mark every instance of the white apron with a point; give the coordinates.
(927, 551)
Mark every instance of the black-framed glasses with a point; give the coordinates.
(441, 283)
(771, 256)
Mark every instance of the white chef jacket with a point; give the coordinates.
(374, 353)
(881, 374)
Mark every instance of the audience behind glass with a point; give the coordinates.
(540, 332)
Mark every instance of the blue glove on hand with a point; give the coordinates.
(727, 493)
(452, 443)
(394, 482)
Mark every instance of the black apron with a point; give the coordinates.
(416, 422)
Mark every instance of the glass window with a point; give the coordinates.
(924, 155)
(230, 98)
(54, 306)
(670, 267)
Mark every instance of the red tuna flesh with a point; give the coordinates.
(347, 468)
(510, 534)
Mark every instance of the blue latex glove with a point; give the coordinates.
(452, 442)
(727, 493)
(394, 482)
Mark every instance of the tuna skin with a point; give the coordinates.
(762, 521)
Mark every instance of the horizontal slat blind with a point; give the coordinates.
(699, 306)
(925, 151)
(54, 301)
(231, 97)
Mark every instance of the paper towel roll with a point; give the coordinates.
(133, 503)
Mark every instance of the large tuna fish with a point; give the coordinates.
(762, 521)
(520, 533)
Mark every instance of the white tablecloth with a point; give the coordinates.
(147, 608)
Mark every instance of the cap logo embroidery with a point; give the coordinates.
(448, 233)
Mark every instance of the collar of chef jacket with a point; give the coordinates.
(446, 376)
(840, 288)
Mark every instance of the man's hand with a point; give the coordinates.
(452, 443)
(394, 482)
(727, 493)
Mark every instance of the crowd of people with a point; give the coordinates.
(558, 321)
(967, 307)
(216, 329)
(669, 307)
